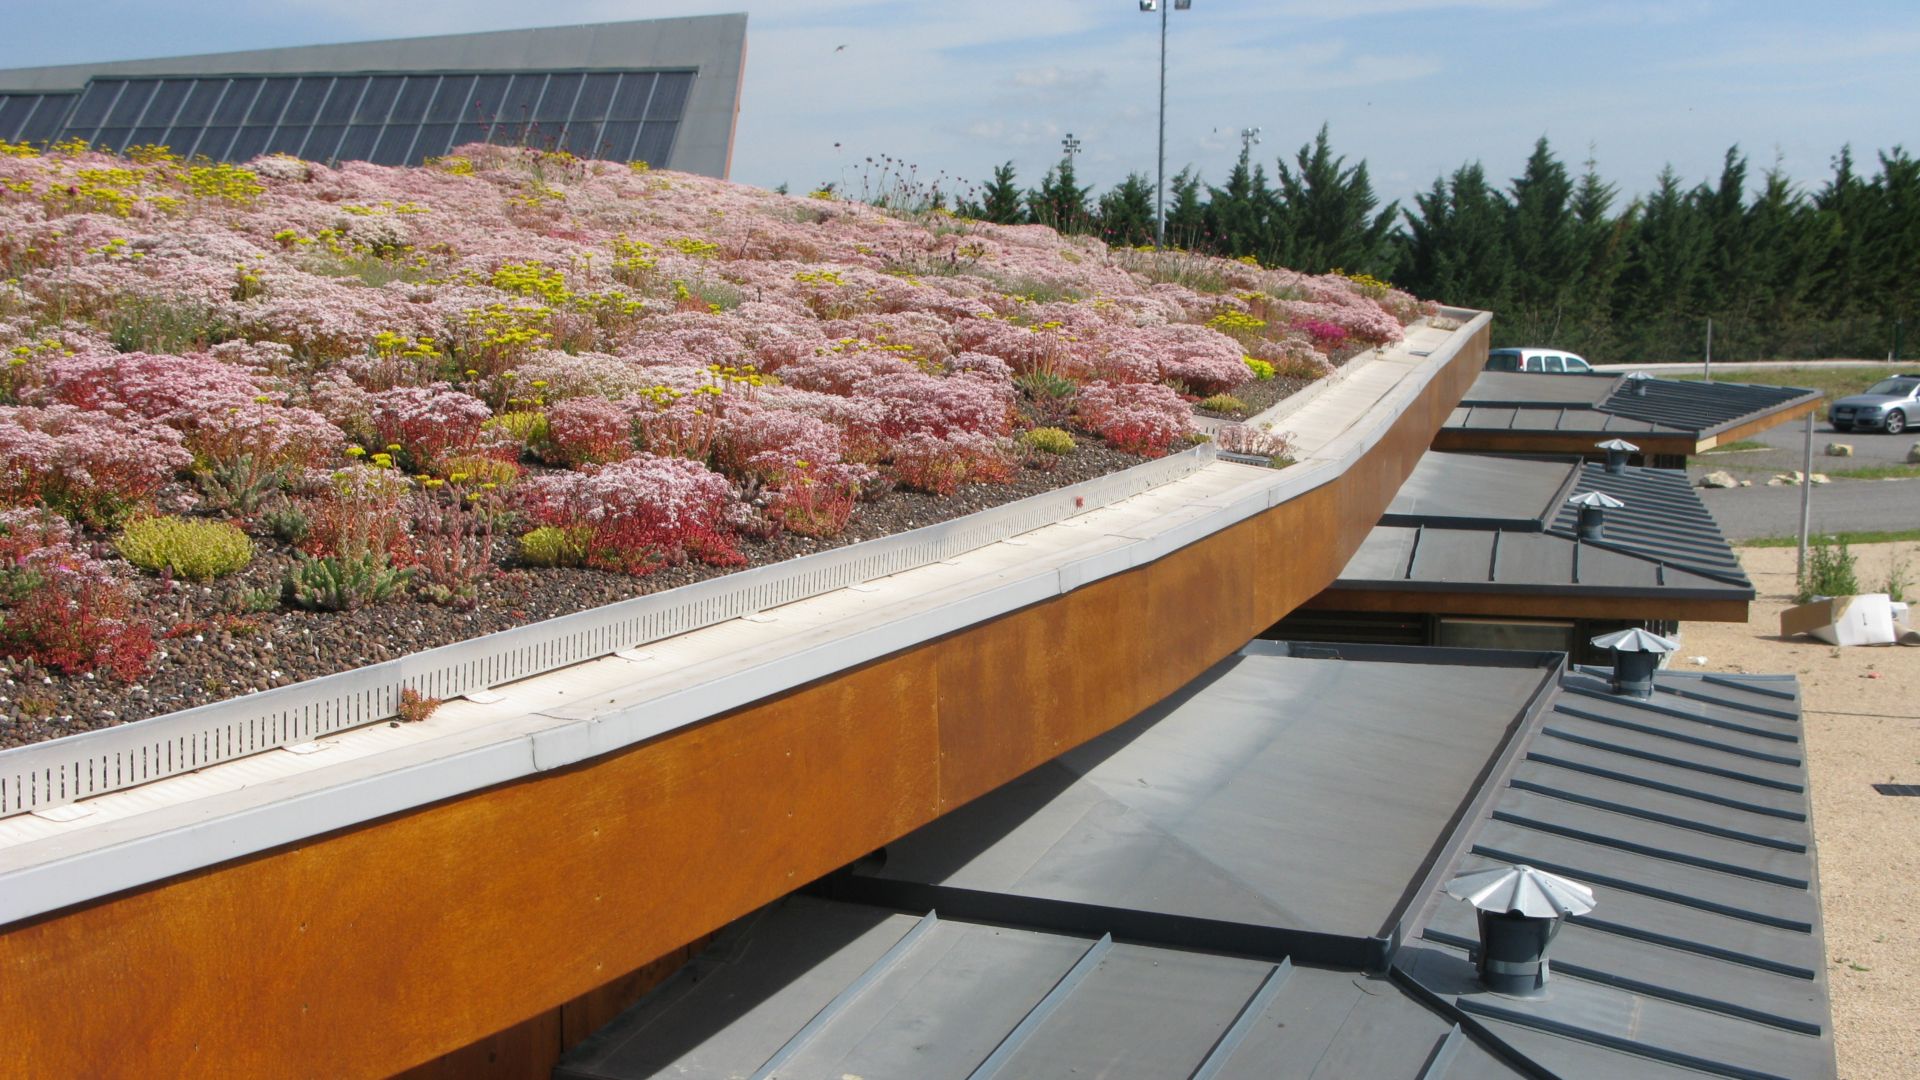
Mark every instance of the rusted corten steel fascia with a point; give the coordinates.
(386, 945)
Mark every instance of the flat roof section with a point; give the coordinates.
(1243, 800)
(1522, 411)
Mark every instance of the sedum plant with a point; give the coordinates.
(554, 545)
(342, 583)
(1049, 440)
(185, 548)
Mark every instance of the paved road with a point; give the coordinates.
(1841, 506)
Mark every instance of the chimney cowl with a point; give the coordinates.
(1593, 507)
(1638, 380)
(1520, 910)
(1617, 453)
(1636, 656)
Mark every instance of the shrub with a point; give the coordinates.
(1049, 440)
(183, 547)
(1139, 418)
(91, 466)
(1260, 368)
(551, 545)
(334, 583)
(1830, 571)
(1223, 403)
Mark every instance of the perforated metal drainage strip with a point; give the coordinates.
(49, 775)
(1897, 789)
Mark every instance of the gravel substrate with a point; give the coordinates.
(1862, 727)
(212, 649)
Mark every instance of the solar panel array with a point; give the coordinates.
(397, 119)
(33, 117)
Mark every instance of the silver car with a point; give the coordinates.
(1890, 404)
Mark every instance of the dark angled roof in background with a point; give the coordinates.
(1606, 404)
(1166, 905)
(663, 91)
(1488, 523)
(33, 118)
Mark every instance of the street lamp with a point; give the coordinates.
(1160, 196)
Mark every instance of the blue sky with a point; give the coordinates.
(1414, 86)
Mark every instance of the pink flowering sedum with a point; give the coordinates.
(427, 423)
(643, 513)
(1139, 418)
(93, 466)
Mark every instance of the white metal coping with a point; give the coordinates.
(220, 814)
(59, 771)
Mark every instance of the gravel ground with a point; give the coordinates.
(1862, 727)
(211, 648)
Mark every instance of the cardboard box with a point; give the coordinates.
(1866, 619)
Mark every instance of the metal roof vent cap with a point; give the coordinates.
(1593, 513)
(1617, 451)
(1638, 381)
(1636, 656)
(1520, 909)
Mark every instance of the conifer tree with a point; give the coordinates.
(1000, 200)
(1326, 217)
(1059, 201)
(1126, 212)
(1186, 212)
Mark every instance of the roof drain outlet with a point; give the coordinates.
(1593, 513)
(1520, 910)
(1636, 656)
(1617, 451)
(1638, 380)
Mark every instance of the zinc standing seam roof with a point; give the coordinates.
(1039, 956)
(1605, 405)
(1470, 522)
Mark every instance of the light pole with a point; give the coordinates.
(1160, 192)
(1249, 138)
(1069, 146)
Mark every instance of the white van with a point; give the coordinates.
(1550, 361)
